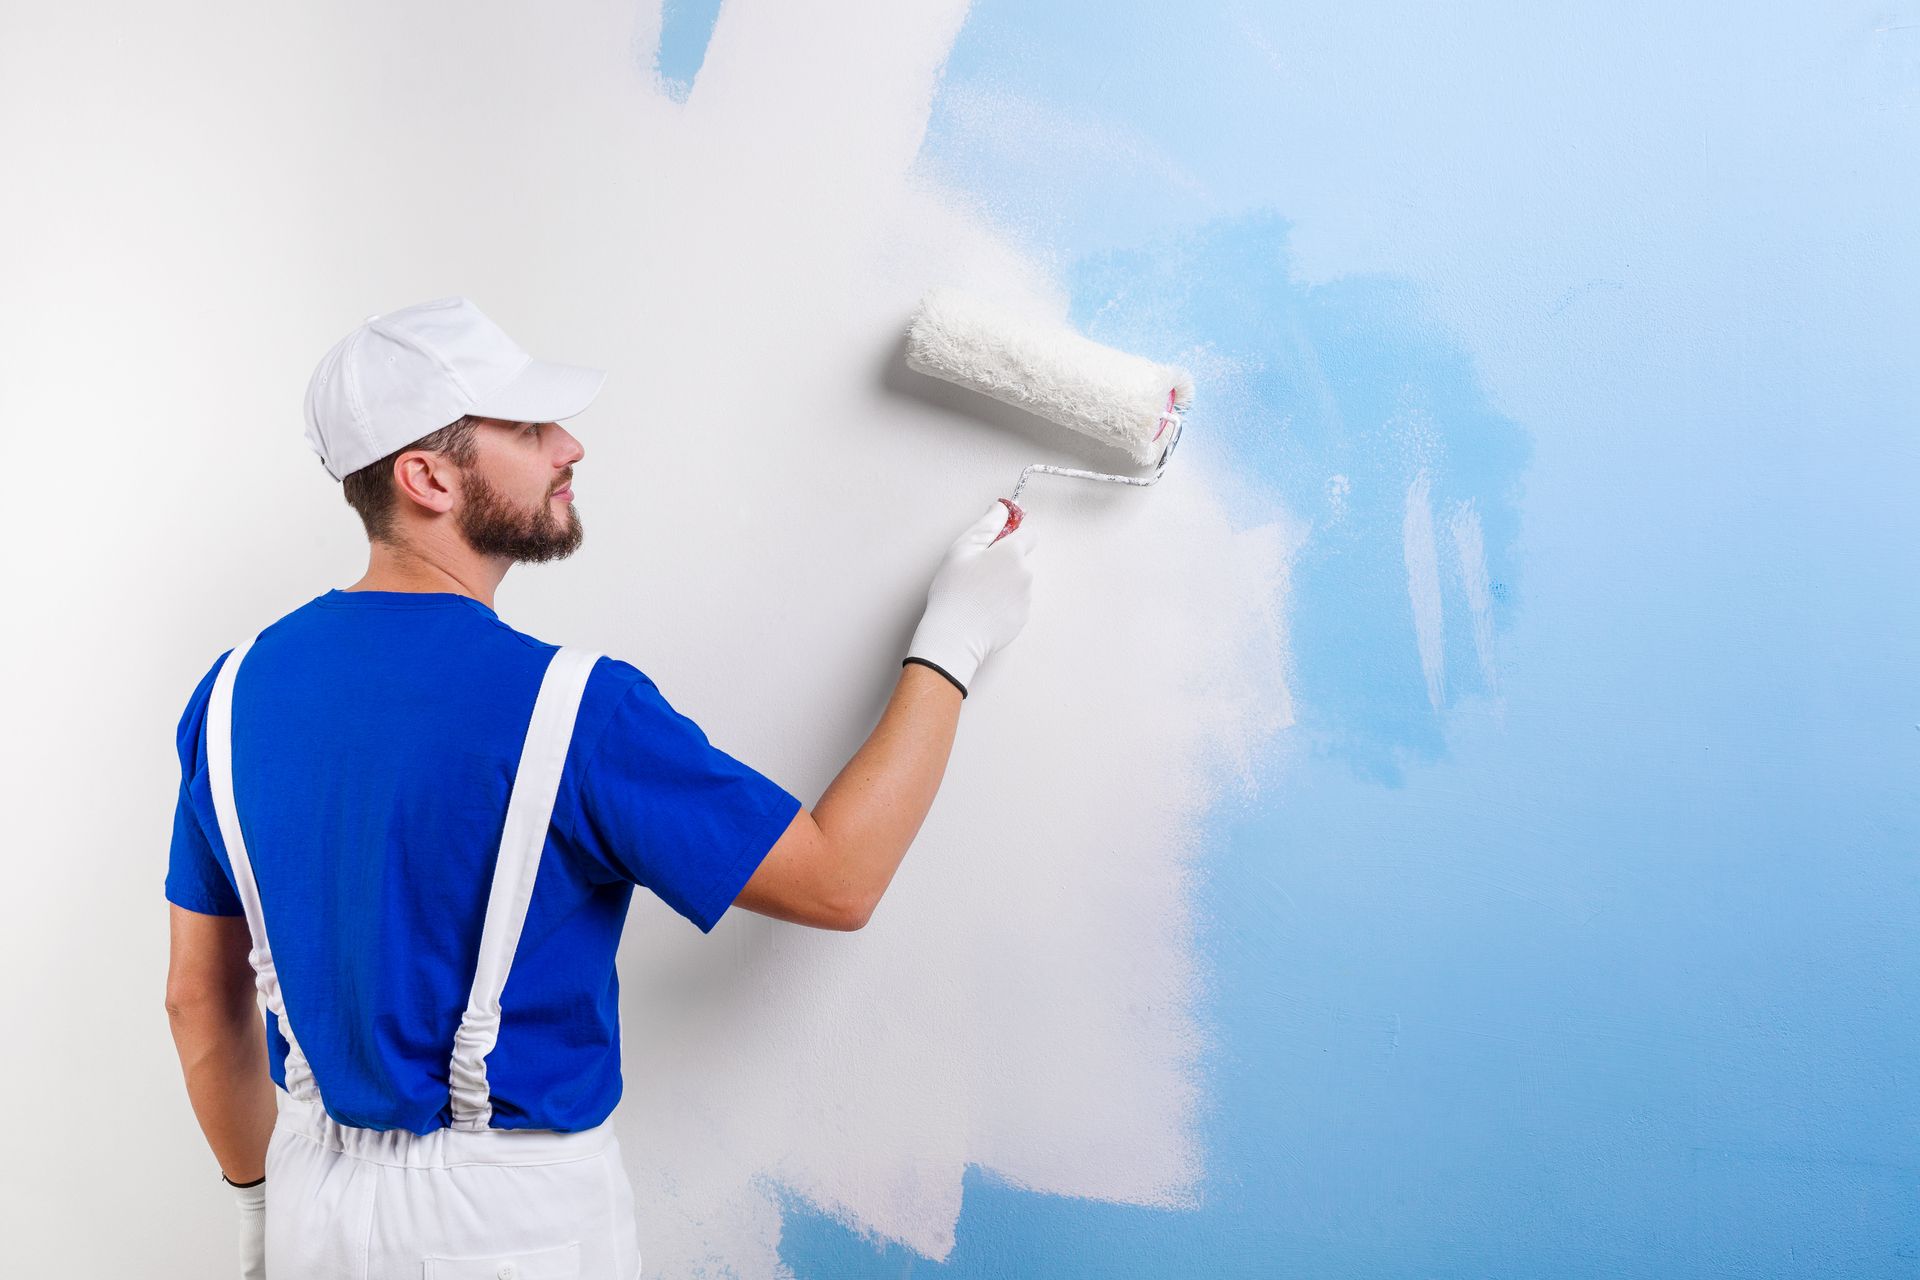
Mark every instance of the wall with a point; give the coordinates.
(1456, 824)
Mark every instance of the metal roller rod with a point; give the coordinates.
(1158, 467)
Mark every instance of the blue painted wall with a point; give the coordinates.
(1599, 957)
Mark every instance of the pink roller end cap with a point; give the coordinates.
(1013, 520)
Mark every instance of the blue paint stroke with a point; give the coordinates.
(1339, 396)
(686, 28)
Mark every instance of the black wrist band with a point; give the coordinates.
(230, 1182)
(942, 670)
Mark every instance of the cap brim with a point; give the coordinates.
(542, 392)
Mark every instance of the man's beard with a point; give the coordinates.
(495, 526)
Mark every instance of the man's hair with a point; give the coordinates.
(369, 490)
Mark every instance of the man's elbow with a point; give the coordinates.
(197, 997)
(853, 913)
(209, 975)
(186, 999)
(199, 1003)
(806, 878)
(853, 902)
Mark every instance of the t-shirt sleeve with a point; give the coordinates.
(196, 879)
(663, 807)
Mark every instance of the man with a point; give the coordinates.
(392, 803)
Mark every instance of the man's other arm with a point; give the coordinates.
(220, 1038)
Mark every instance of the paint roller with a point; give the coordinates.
(1125, 401)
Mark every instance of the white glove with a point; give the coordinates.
(253, 1230)
(979, 597)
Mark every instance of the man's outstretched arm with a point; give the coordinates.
(831, 866)
(834, 861)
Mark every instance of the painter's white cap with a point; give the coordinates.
(407, 373)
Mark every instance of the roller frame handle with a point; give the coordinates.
(1014, 511)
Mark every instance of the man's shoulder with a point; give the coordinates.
(616, 673)
(614, 686)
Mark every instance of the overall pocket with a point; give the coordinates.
(561, 1262)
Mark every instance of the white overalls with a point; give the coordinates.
(469, 1202)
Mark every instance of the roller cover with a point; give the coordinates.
(1046, 369)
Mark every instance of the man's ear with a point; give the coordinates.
(428, 480)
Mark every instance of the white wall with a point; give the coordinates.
(198, 202)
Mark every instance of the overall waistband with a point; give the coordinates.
(440, 1148)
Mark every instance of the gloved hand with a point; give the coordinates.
(979, 598)
(253, 1229)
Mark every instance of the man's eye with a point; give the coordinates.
(533, 428)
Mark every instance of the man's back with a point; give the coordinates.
(376, 736)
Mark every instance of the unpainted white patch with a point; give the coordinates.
(1026, 997)
(1470, 545)
(1423, 587)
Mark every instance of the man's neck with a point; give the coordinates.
(391, 569)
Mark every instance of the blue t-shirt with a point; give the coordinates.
(375, 741)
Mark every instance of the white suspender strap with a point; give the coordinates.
(300, 1082)
(529, 810)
